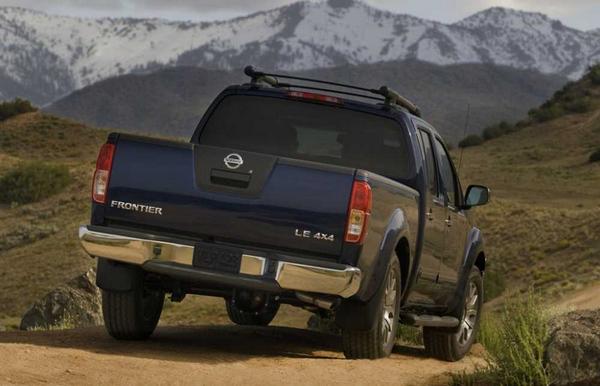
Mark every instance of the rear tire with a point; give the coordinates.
(378, 342)
(452, 346)
(133, 314)
(260, 317)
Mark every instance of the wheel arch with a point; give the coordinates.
(357, 312)
(474, 257)
(403, 254)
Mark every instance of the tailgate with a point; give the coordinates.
(230, 195)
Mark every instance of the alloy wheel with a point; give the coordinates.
(389, 306)
(469, 320)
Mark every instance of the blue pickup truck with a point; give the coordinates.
(331, 197)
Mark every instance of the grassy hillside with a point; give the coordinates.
(172, 101)
(542, 227)
(38, 241)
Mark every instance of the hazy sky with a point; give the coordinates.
(581, 14)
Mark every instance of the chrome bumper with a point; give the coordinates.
(343, 282)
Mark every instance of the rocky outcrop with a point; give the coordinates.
(573, 349)
(75, 304)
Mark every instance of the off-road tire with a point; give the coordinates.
(134, 314)
(261, 317)
(446, 345)
(372, 344)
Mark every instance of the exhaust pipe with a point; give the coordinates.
(327, 304)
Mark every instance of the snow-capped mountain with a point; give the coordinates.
(44, 56)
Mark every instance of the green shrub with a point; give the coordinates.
(410, 335)
(17, 106)
(498, 130)
(492, 132)
(595, 156)
(514, 341)
(471, 140)
(595, 74)
(547, 113)
(581, 105)
(33, 182)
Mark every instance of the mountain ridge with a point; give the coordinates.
(171, 101)
(74, 52)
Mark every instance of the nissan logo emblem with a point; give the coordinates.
(233, 161)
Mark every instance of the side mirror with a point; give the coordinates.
(476, 195)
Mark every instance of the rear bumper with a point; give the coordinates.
(174, 258)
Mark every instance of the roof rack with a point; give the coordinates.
(390, 96)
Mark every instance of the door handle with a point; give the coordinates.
(448, 222)
(429, 215)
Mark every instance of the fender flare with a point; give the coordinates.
(475, 247)
(358, 312)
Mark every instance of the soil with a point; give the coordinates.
(212, 355)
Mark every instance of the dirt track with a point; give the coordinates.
(208, 355)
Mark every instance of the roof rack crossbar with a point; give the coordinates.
(260, 76)
(391, 97)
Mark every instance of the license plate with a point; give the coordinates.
(217, 258)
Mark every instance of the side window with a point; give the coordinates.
(447, 173)
(425, 141)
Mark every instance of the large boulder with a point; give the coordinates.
(75, 304)
(573, 349)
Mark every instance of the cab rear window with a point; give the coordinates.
(310, 131)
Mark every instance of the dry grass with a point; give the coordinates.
(543, 226)
(38, 247)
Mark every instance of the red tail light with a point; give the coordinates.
(314, 97)
(102, 173)
(359, 212)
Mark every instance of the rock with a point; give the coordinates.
(75, 304)
(572, 354)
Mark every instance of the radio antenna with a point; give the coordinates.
(466, 129)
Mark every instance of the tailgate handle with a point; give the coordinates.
(227, 178)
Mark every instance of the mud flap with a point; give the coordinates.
(117, 277)
(357, 315)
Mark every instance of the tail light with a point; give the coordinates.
(102, 173)
(359, 212)
(314, 97)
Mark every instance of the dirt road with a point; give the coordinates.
(585, 299)
(211, 355)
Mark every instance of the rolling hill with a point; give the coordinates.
(171, 101)
(542, 227)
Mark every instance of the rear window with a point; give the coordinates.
(309, 131)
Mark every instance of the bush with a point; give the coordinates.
(471, 140)
(514, 342)
(33, 182)
(17, 106)
(595, 156)
(547, 113)
(498, 130)
(410, 335)
(492, 132)
(595, 74)
(582, 105)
